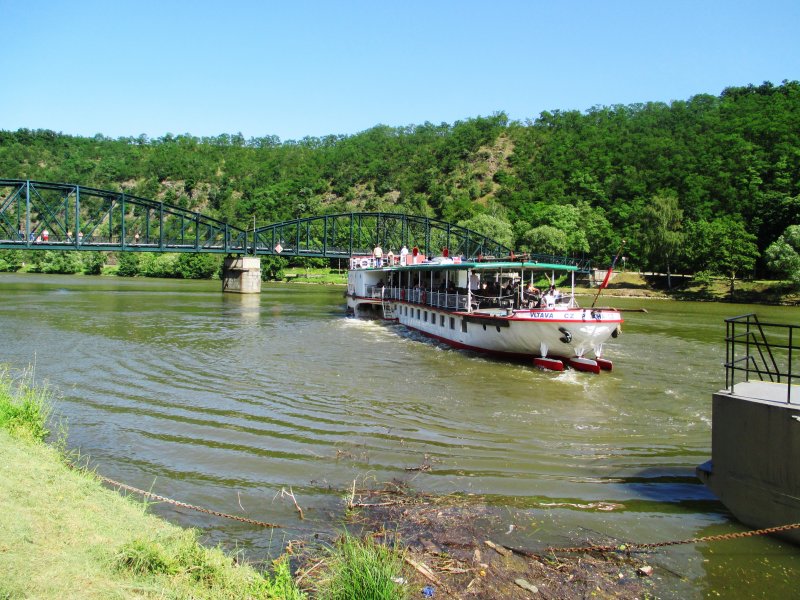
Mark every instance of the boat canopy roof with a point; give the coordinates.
(481, 266)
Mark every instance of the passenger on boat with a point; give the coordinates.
(532, 295)
(549, 299)
(403, 254)
(377, 253)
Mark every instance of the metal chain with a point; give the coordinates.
(709, 538)
(178, 503)
(551, 549)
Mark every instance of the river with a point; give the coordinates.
(223, 401)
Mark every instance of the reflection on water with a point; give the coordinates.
(222, 400)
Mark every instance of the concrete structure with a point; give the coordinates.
(241, 275)
(755, 454)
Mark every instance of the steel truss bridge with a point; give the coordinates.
(37, 215)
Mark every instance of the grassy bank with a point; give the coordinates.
(65, 536)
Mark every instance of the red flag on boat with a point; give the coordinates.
(608, 273)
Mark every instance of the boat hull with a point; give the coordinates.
(518, 334)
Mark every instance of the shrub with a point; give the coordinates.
(24, 409)
(363, 570)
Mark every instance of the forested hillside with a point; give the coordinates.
(706, 183)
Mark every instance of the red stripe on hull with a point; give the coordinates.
(584, 364)
(551, 364)
(604, 364)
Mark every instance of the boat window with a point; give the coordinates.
(452, 323)
(425, 316)
(463, 325)
(417, 314)
(441, 320)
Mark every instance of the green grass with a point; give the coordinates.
(66, 536)
(362, 569)
(24, 408)
(322, 276)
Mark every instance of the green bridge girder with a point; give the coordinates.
(37, 215)
(357, 234)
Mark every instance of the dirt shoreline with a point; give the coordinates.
(448, 546)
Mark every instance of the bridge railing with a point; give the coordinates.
(348, 234)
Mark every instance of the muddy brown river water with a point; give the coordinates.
(222, 401)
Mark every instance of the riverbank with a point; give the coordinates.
(65, 536)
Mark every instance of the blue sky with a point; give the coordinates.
(312, 68)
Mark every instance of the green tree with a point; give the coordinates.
(272, 267)
(660, 235)
(545, 239)
(128, 264)
(494, 228)
(723, 247)
(11, 260)
(783, 255)
(92, 262)
(198, 266)
(51, 261)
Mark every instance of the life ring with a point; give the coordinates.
(364, 263)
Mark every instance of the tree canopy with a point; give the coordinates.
(568, 181)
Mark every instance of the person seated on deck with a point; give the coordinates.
(531, 295)
(549, 299)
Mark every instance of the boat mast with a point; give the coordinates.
(469, 290)
(572, 293)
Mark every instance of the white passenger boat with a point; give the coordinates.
(485, 306)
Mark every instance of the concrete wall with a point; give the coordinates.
(241, 275)
(755, 453)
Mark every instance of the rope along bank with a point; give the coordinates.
(651, 546)
(153, 496)
(625, 547)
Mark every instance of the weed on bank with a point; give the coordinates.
(65, 536)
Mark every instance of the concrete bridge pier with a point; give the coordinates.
(241, 275)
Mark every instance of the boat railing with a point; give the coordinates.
(767, 351)
(460, 300)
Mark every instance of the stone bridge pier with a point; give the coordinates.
(241, 275)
